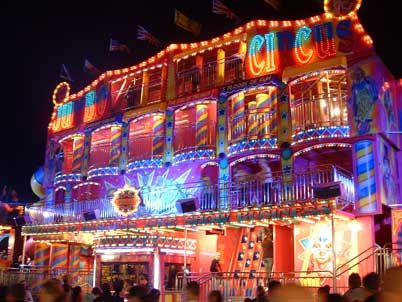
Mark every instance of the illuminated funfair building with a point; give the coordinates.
(287, 125)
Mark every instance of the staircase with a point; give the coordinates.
(375, 257)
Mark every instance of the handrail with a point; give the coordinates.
(222, 275)
(375, 246)
(275, 174)
(391, 244)
(252, 190)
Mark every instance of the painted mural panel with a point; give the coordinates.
(397, 234)
(372, 105)
(316, 252)
(364, 98)
(161, 188)
(387, 163)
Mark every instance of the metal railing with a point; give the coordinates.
(233, 285)
(197, 79)
(253, 124)
(234, 70)
(33, 277)
(185, 138)
(145, 147)
(252, 191)
(155, 90)
(373, 259)
(241, 285)
(320, 110)
(99, 155)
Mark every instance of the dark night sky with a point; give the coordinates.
(38, 36)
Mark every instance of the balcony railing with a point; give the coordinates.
(145, 147)
(321, 110)
(161, 200)
(185, 138)
(253, 125)
(200, 78)
(155, 91)
(99, 155)
(234, 70)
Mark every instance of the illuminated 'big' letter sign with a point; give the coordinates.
(259, 61)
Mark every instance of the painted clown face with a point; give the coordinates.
(321, 245)
(321, 250)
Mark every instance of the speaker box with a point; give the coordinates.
(328, 190)
(91, 215)
(186, 205)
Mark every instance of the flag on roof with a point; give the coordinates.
(186, 23)
(276, 4)
(143, 34)
(64, 74)
(221, 9)
(90, 68)
(115, 45)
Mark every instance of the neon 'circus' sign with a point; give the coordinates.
(269, 52)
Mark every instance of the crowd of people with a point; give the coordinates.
(61, 290)
(371, 288)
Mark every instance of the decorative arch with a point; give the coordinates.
(254, 156)
(320, 146)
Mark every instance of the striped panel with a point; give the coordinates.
(158, 135)
(42, 254)
(238, 111)
(201, 135)
(366, 186)
(252, 119)
(59, 255)
(75, 261)
(238, 105)
(78, 151)
(264, 104)
(115, 145)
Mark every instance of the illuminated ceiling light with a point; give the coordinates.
(65, 94)
(110, 251)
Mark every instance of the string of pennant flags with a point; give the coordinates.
(180, 19)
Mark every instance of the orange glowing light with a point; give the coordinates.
(61, 93)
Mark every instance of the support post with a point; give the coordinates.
(145, 88)
(50, 257)
(23, 250)
(94, 273)
(333, 254)
(157, 269)
(220, 75)
(185, 250)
